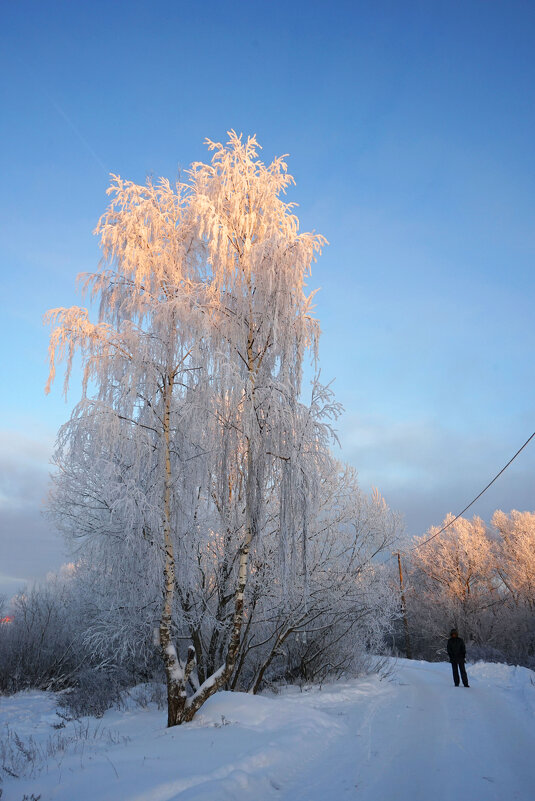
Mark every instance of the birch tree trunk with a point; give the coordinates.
(223, 675)
(176, 692)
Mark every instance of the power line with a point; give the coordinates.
(421, 544)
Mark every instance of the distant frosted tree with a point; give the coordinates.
(516, 555)
(515, 566)
(453, 580)
(196, 360)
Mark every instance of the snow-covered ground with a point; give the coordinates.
(411, 736)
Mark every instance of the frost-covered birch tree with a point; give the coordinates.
(257, 264)
(144, 357)
(195, 367)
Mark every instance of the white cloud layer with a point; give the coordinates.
(29, 546)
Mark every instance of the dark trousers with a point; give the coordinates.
(456, 666)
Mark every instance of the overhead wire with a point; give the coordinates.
(451, 522)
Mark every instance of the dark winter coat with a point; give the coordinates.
(456, 649)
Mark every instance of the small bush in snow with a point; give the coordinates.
(94, 693)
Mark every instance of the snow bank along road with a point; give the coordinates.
(412, 736)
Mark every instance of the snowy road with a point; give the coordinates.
(410, 737)
(429, 740)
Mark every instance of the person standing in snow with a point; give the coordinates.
(457, 655)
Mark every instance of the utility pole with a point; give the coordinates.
(408, 650)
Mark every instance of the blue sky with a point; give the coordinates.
(410, 129)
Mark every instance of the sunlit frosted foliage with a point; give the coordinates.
(480, 579)
(196, 465)
(516, 553)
